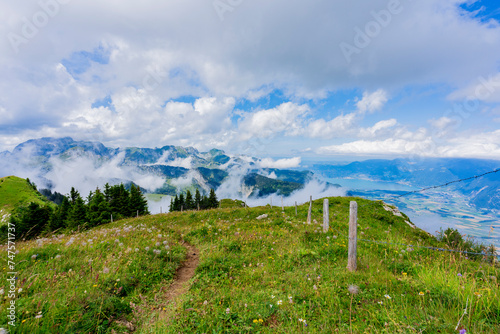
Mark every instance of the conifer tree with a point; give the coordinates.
(138, 202)
(60, 215)
(98, 211)
(212, 200)
(189, 201)
(182, 203)
(78, 214)
(197, 199)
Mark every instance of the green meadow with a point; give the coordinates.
(271, 275)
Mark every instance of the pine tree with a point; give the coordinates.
(59, 218)
(30, 221)
(78, 214)
(212, 200)
(177, 207)
(138, 202)
(197, 199)
(182, 203)
(189, 201)
(98, 211)
(171, 208)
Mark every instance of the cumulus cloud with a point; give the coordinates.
(337, 127)
(285, 118)
(280, 163)
(372, 102)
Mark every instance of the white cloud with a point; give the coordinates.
(379, 147)
(485, 89)
(285, 118)
(337, 127)
(281, 163)
(372, 102)
(379, 128)
(166, 50)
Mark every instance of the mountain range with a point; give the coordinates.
(58, 163)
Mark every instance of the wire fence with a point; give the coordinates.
(419, 191)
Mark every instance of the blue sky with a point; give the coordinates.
(283, 79)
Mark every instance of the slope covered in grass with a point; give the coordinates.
(14, 192)
(271, 275)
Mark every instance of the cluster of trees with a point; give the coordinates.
(187, 202)
(76, 213)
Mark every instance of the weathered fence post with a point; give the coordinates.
(137, 213)
(295, 208)
(111, 218)
(309, 211)
(182, 208)
(282, 207)
(353, 236)
(326, 215)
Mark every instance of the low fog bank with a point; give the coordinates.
(158, 203)
(315, 188)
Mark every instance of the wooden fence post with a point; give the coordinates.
(326, 215)
(111, 218)
(309, 211)
(353, 236)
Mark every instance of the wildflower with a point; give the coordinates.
(19, 290)
(301, 320)
(387, 296)
(255, 321)
(147, 248)
(120, 244)
(137, 249)
(38, 316)
(477, 294)
(272, 296)
(105, 270)
(157, 244)
(279, 302)
(261, 321)
(463, 331)
(353, 289)
(34, 256)
(165, 242)
(381, 302)
(205, 302)
(95, 285)
(271, 305)
(228, 310)
(459, 275)
(315, 287)
(58, 256)
(421, 293)
(2, 291)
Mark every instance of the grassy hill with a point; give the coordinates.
(275, 274)
(14, 192)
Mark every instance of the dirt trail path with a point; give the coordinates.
(171, 296)
(180, 285)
